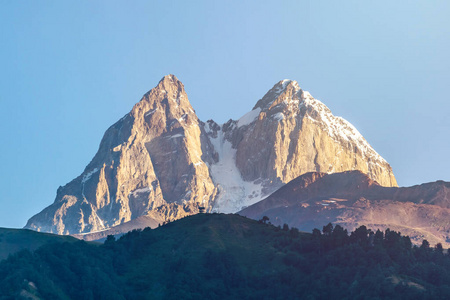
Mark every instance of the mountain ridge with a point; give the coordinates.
(351, 199)
(161, 161)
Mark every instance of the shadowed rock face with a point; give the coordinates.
(352, 199)
(162, 162)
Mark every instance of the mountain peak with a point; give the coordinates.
(282, 90)
(169, 89)
(169, 78)
(170, 82)
(287, 82)
(162, 162)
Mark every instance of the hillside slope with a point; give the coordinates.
(14, 240)
(217, 256)
(352, 199)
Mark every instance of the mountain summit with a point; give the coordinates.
(162, 162)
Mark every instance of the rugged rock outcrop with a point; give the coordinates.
(352, 199)
(162, 162)
(288, 133)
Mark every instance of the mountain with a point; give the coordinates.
(14, 240)
(162, 162)
(218, 256)
(351, 199)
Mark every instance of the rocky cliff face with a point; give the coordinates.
(352, 199)
(162, 162)
(288, 133)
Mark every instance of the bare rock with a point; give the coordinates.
(162, 162)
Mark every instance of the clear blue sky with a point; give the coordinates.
(70, 69)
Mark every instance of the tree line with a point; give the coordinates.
(203, 261)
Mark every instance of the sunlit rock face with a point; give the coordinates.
(162, 162)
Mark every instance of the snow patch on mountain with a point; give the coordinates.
(136, 193)
(249, 117)
(278, 116)
(234, 192)
(88, 175)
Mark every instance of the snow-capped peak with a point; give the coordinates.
(285, 82)
(337, 127)
(272, 97)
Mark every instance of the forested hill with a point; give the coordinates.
(217, 256)
(13, 240)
